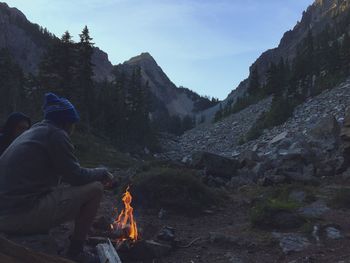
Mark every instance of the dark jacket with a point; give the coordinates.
(33, 164)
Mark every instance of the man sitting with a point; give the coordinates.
(31, 168)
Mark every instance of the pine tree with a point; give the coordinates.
(67, 65)
(345, 54)
(254, 83)
(49, 76)
(84, 78)
(11, 83)
(272, 80)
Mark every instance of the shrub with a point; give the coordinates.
(93, 151)
(263, 212)
(174, 189)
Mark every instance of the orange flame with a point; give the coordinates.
(126, 219)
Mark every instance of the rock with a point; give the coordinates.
(167, 234)
(239, 181)
(259, 170)
(326, 168)
(298, 154)
(279, 138)
(314, 210)
(309, 171)
(292, 242)
(300, 177)
(327, 128)
(231, 258)
(248, 158)
(162, 213)
(333, 233)
(215, 165)
(143, 250)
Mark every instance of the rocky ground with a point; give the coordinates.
(223, 137)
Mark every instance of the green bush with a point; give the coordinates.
(173, 189)
(264, 210)
(93, 151)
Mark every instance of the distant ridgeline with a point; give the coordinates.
(119, 105)
(320, 61)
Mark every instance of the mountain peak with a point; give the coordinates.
(144, 57)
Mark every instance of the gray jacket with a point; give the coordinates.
(33, 164)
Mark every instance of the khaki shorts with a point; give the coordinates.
(59, 206)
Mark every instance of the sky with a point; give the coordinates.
(204, 45)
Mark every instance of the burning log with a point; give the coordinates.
(107, 253)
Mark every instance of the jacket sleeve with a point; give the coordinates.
(66, 164)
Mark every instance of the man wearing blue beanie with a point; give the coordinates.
(30, 170)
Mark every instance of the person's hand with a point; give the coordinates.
(108, 181)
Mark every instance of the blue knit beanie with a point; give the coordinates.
(59, 110)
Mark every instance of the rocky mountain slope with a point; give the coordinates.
(318, 16)
(223, 137)
(176, 101)
(27, 43)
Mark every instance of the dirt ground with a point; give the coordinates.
(248, 245)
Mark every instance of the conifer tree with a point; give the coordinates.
(84, 81)
(11, 83)
(67, 65)
(254, 83)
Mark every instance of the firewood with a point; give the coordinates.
(14, 253)
(107, 253)
(94, 241)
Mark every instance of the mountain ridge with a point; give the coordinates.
(27, 43)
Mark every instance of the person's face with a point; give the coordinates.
(21, 127)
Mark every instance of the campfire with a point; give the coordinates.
(124, 239)
(124, 226)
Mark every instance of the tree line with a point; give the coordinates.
(122, 109)
(117, 109)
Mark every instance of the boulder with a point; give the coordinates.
(215, 165)
(279, 138)
(301, 178)
(290, 242)
(327, 128)
(314, 210)
(248, 158)
(333, 233)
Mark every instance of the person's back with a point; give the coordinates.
(26, 168)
